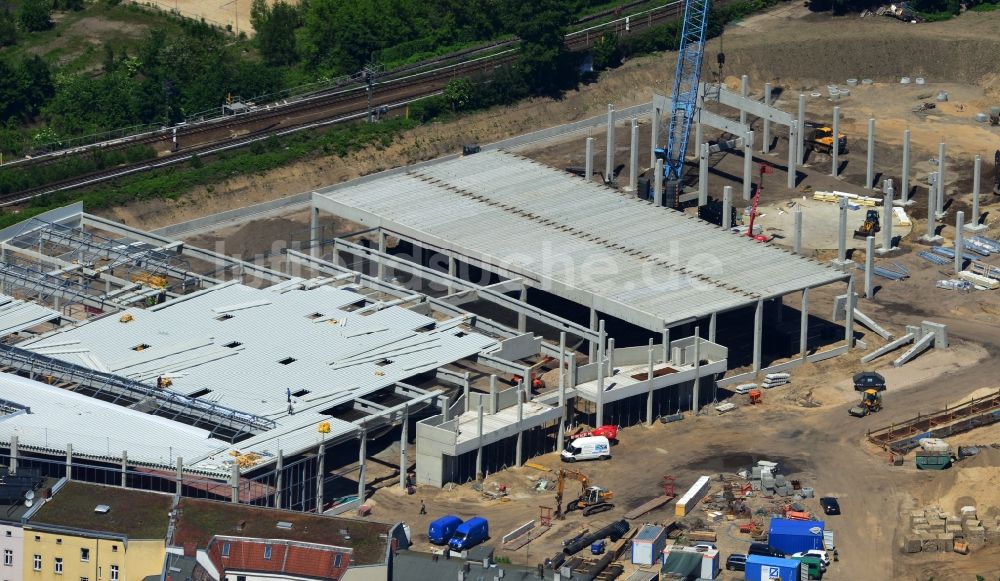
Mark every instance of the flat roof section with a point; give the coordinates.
(133, 513)
(652, 267)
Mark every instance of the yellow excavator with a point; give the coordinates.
(871, 402)
(592, 499)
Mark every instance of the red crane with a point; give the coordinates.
(764, 169)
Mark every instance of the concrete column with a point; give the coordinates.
(592, 346)
(974, 225)
(870, 162)
(383, 239)
(179, 477)
(562, 388)
(940, 182)
(744, 92)
(696, 388)
(314, 233)
(658, 183)
(703, 175)
(931, 235)
(797, 237)
(363, 463)
(234, 484)
(599, 421)
(727, 207)
(611, 357)
(491, 408)
(869, 265)
(765, 147)
(633, 160)
(712, 323)
(666, 345)
(758, 331)
(522, 317)
(849, 324)
(747, 164)
(887, 218)
(124, 468)
(279, 478)
(804, 325)
(699, 135)
(959, 246)
(404, 433)
(466, 389)
(649, 392)
(842, 233)
(321, 474)
(835, 151)
(654, 136)
(519, 453)
(69, 461)
(452, 271)
(13, 453)
(904, 184)
(609, 156)
(588, 164)
(479, 445)
(800, 146)
(793, 138)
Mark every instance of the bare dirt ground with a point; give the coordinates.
(818, 444)
(235, 13)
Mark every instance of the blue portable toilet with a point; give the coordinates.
(761, 568)
(793, 536)
(441, 530)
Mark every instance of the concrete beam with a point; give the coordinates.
(887, 348)
(755, 108)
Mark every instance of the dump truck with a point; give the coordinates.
(871, 402)
(819, 137)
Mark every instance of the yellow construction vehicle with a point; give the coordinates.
(592, 499)
(150, 279)
(871, 402)
(871, 225)
(820, 138)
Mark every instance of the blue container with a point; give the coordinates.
(760, 568)
(470, 533)
(440, 530)
(792, 536)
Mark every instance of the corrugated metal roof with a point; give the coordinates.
(16, 315)
(96, 428)
(580, 240)
(249, 347)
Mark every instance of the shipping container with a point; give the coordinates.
(647, 546)
(690, 563)
(793, 536)
(760, 568)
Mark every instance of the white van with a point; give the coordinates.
(589, 448)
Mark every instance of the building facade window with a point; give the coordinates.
(38, 563)
(8, 557)
(85, 555)
(58, 565)
(114, 573)
(84, 579)
(225, 549)
(267, 552)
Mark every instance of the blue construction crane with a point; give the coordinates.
(684, 103)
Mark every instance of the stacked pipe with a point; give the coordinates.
(950, 253)
(935, 258)
(775, 379)
(615, 530)
(990, 243)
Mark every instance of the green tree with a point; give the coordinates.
(606, 53)
(459, 93)
(275, 26)
(541, 26)
(8, 29)
(34, 15)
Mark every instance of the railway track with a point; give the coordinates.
(396, 88)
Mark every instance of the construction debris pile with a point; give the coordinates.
(933, 530)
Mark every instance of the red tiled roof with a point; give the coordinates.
(288, 557)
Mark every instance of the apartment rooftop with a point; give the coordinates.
(133, 513)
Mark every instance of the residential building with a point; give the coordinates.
(246, 543)
(87, 532)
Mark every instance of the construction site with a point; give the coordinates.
(742, 327)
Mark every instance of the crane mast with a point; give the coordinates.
(684, 102)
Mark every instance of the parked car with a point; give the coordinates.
(589, 448)
(440, 531)
(736, 562)
(705, 546)
(470, 533)
(830, 505)
(765, 550)
(819, 554)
